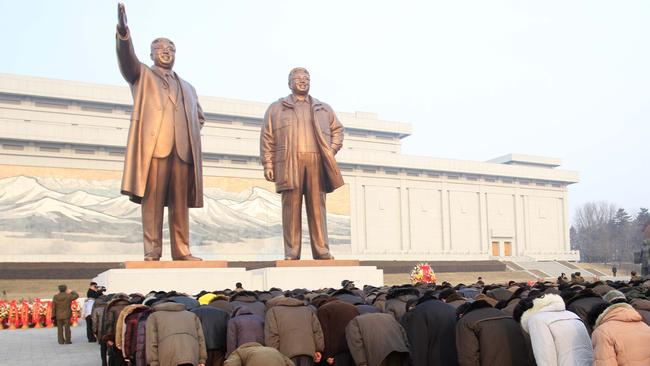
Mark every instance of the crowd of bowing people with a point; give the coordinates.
(564, 322)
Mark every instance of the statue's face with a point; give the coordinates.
(299, 83)
(163, 54)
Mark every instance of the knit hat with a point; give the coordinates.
(614, 295)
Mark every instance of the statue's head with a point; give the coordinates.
(299, 81)
(163, 53)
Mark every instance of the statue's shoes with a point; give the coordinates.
(149, 259)
(328, 258)
(291, 259)
(188, 257)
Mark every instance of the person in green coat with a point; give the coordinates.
(62, 312)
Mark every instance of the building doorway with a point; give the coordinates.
(501, 248)
(507, 249)
(496, 252)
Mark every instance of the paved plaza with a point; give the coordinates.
(40, 347)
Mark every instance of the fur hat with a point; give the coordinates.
(614, 295)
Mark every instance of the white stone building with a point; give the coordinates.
(396, 206)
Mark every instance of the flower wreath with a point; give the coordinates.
(422, 273)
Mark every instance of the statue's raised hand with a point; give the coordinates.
(121, 19)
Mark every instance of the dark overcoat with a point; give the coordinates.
(431, 330)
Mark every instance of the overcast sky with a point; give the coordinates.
(476, 79)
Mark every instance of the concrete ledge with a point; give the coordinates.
(317, 263)
(187, 280)
(288, 278)
(175, 264)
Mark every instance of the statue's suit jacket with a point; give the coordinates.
(150, 91)
(278, 144)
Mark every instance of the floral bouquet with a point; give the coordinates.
(422, 273)
(4, 315)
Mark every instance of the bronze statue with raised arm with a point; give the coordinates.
(300, 136)
(162, 166)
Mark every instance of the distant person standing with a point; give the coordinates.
(62, 310)
(614, 270)
(91, 295)
(239, 287)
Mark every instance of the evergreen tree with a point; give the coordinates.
(621, 236)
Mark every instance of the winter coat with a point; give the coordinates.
(486, 298)
(206, 298)
(487, 336)
(500, 294)
(380, 301)
(372, 337)
(469, 292)
(62, 305)
(279, 147)
(215, 326)
(189, 302)
(97, 315)
(109, 320)
(621, 338)
(348, 296)
(250, 300)
(222, 303)
(510, 307)
(431, 331)
(366, 309)
(141, 340)
(292, 328)
(254, 354)
(455, 300)
(130, 339)
(334, 316)
(397, 298)
(119, 325)
(602, 289)
(244, 327)
(582, 303)
(558, 336)
(643, 307)
(174, 336)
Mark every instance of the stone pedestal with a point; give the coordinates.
(317, 263)
(288, 278)
(192, 277)
(175, 264)
(187, 280)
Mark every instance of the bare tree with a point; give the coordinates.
(593, 224)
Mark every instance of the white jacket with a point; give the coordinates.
(558, 336)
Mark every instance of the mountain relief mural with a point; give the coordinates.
(45, 215)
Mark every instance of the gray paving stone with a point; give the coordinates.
(40, 347)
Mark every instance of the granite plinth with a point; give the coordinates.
(317, 263)
(175, 264)
(187, 280)
(312, 278)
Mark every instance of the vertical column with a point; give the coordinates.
(446, 223)
(361, 220)
(526, 212)
(564, 222)
(520, 239)
(405, 215)
(354, 213)
(485, 231)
